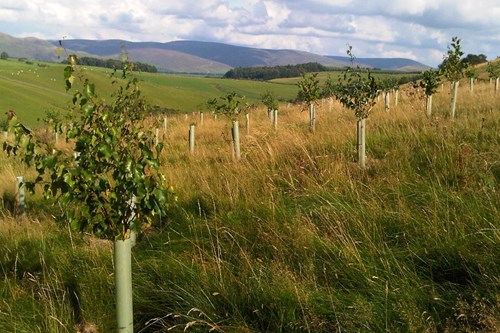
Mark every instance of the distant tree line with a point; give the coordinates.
(112, 63)
(475, 59)
(274, 72)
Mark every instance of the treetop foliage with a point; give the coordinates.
(429, 82)
(357, 89)
(309, 89)
(269, 100)
(113, 64)
(112, 184)
(274, 72)
(493, 69)
(475, 59)
(388, 84)
(453, 66)
(231, 105)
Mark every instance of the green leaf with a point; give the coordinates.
(161, 195)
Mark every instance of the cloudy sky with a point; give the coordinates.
(416, 29)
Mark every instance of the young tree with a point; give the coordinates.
(114, 186)
(472, 75)
(387, 86)
(310, 92)
(232, 106)
(493, 70)
(328, 91)
(453, 68)
(269, 100)
(358, 90)
(4, 55)
(429, 83)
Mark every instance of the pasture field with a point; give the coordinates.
(293, 237)
(34, 88)
(322, 77)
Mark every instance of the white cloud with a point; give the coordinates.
(417, 28)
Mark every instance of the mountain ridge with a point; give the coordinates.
(190, 56)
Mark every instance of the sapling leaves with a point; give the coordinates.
(269, 100)
(429, 83)
(231, 105)
(357, 89)
(116, 160)
(453, 65)
(309, 89)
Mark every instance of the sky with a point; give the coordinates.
(415, 29)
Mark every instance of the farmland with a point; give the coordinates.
(33, 89)
(294, 237)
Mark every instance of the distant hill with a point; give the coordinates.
(31, 48)
(189, 56)
(402, 64)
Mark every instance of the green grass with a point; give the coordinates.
(33, 89)
(322, 76)
(294, 237)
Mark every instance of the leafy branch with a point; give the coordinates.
(116, 160)
(357, 89)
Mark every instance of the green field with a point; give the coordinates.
(294, 237)
(32, 89)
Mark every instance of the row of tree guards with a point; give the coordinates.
(429, 81)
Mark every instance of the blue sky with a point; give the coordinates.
(416, 29)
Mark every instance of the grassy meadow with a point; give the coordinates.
(293, 237)
(33, 89)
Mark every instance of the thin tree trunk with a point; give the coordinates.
(387, 99)
(496, 86)
(361, 143)
(123, 286)
(396, 97)
(471, 85)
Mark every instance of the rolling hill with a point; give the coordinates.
(189, 56)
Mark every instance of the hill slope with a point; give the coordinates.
(188, 56)
(401, 64)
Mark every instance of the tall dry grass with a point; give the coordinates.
(294, 237)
